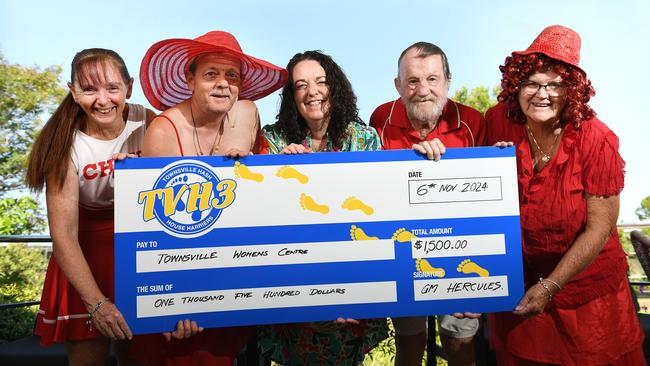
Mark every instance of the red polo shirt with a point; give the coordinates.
(459, 126)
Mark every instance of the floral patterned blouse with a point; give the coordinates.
(359, 138)
(321, 343)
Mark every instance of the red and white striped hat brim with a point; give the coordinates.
(163, 69)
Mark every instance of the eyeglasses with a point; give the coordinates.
(552, 89)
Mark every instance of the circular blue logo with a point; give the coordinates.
(190, 198)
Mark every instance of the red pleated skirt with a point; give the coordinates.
(62, 315)
(604, 331)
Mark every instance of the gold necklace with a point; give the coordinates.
(197, 142)
(545, 157)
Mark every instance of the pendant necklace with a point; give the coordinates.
(545, 157)
(197, 142)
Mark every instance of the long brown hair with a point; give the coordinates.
(50, 154)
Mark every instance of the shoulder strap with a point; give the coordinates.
(178, 137)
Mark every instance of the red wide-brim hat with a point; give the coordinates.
(557, 42)
(164, 66)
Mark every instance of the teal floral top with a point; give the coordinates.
(359, 138)
(321, 343)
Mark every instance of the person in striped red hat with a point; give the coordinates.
(205, 87)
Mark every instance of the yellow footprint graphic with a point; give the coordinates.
(242, 171)
(353, 203)
(403, 236)
(423, 265)
(356, 233)
(288, 172)
(308, 203)
(467, 267)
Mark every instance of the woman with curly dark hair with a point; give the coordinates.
(577, 309)
(318, 112)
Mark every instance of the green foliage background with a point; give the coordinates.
(643, 212)
(20, 216)
(479, 98)
(26, 94)
(22, 270)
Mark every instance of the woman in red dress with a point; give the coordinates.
(577, 309)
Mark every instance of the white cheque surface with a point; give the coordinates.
(266, 298)
(455, 190)
(460, 288)
(454, 246)
(262, 255)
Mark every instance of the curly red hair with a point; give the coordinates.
(517, 69)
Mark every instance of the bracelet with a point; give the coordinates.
(96, 308)
(553, 282)
(550, 294)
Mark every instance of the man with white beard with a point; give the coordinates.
(423, 118)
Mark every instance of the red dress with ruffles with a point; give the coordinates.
(63, 317)
(592, 320)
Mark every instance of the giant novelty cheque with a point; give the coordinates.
(293, 238)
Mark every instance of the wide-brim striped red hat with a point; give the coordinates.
(164, 66)
(557, 42)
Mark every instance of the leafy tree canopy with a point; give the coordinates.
(26, 95)
(643, 212)
(479, 98)
(20, 216)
